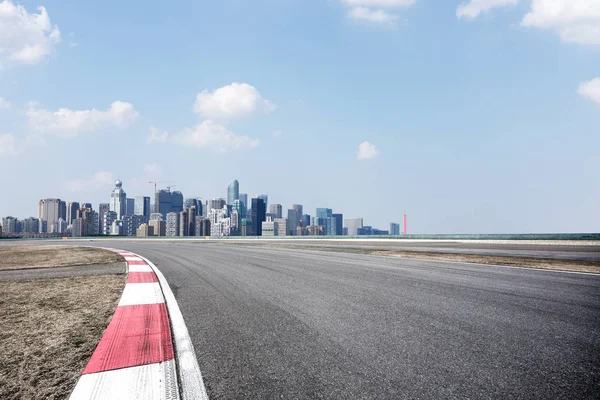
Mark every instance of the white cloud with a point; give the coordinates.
(277, 132)
(156, 136)
(576, 21)
(375, 11)
(591, 90)
(366, 151)
(69, 123)
(153, 170)
(210, 134)
(8, 145)
(99, 181)
(473, 8)
(374, 16)
(26, 38)
(232, 101)
(4, 103)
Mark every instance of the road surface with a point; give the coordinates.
(296, 324)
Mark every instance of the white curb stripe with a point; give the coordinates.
(141, 293)
(139, 268)
(146, 382)
(131, 258)
(190, 377)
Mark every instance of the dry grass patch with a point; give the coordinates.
(525, 262)
(21, 257)
(50, 327)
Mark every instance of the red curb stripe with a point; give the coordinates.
(137, 262)
(141, 277)
(136, 335)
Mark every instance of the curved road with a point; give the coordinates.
(295, 324)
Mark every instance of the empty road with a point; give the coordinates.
(296, 324)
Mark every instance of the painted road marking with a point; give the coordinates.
(136, 335)
(141, 293)
(140, 268)
(141, 277)
(149, 382)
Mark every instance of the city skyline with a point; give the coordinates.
(127, 211)
(469, 116)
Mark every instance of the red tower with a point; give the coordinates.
(405, 224)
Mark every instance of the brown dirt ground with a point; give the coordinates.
(50, 327)
(22, 257)
(525, 262)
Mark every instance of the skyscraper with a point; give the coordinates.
(130, 207)
(72, 209)
(305, 220)
(51, 210)
(233, 192)
(118, 200)
(216, 203)
(168, 201)
(339, 224)
(184, 224)
(142, 207)
(353, 224)
(276, 209)
(173, 224)
(103, 208)
(292, 222)
(258, 216)
(394, 228)
(193, 202)
(244, 199)
(265, 198)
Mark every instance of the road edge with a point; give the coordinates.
(191, 384)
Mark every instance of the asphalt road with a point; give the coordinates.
(296, 324)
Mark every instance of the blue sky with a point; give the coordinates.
(470, 117)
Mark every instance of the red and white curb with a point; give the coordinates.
(138, 357)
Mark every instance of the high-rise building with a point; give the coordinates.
(276, 209)
(72, 209)
(159, 226)
(265, 199)
(193, 202)
(216, 203)
(299, 210)
(394, 228)
(244, 199)
(339, 224)
(131, 223)
(130, 207)
(118, 200)
(246, 227)
(184, 223)
(258, 216)
(192, 215)
(173, 224)
(86, 205)
(31, 225)
(51, 210)
(107, 220)
(270, 228)
(282, 229)
(103, 208)
(202, 226)
(61, 226)
(293, 221)
(145, 231)
(142, 207)
(305, 220)
(220, 223)
(370, 231)
(353, 224)
(233, 192)
(168, 201)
